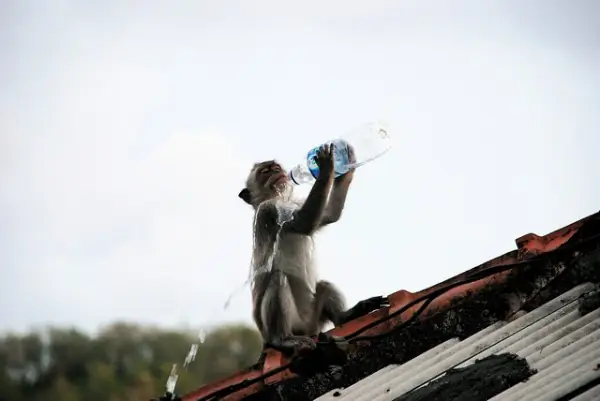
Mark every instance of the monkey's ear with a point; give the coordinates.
(245, 195)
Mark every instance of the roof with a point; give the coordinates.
(559, 340)
(520, 325)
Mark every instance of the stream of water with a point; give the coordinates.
(285, 212)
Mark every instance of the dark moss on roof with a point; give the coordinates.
(477, 382)
(589, 302)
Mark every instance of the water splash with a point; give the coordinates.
(285, 213)
(172, 380)
(190, 357)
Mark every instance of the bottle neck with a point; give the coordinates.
(291, 177)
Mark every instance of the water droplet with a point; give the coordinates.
(191, 356)
(172, 380)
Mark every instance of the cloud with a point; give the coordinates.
(129, 241)
(110, 210)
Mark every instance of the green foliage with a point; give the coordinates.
(123, 362)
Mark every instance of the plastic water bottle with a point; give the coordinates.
(368, 143)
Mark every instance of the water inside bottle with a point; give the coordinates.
(341, 157)
(368, 142)
(341, 164)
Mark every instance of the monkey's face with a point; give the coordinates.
(266, 180)
(271, 176)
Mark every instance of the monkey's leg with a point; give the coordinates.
(279, 311)
(329, 305)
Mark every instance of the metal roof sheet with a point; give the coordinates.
(560, 343)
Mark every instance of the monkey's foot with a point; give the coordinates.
(330, 350)
(330, 338)
(294, 345)
(364, 307)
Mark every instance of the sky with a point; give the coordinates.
(127, 129)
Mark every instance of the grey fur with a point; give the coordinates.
(290, 304)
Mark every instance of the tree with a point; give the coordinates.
(124, 361)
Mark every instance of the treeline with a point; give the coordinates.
(122, 362)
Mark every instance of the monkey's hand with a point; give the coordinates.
(347, 178)
(364, 307)
(324, 160)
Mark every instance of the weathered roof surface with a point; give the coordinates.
(559, 340)
(457, 312)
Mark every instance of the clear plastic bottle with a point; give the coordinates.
(368, 143)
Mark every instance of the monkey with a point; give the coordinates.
(290, 305)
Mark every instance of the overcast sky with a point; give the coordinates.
(128, 128)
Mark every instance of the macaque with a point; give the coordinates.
(289, 304)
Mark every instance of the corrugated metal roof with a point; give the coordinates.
(560, 343)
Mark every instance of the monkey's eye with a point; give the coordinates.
(264, 170)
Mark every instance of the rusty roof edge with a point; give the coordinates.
(516, 254)
(551, 241)
(236, 378)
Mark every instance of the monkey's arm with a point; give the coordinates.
(337, 200)
(308, 218)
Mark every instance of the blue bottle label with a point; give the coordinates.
(311, 161)
(340, 158)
